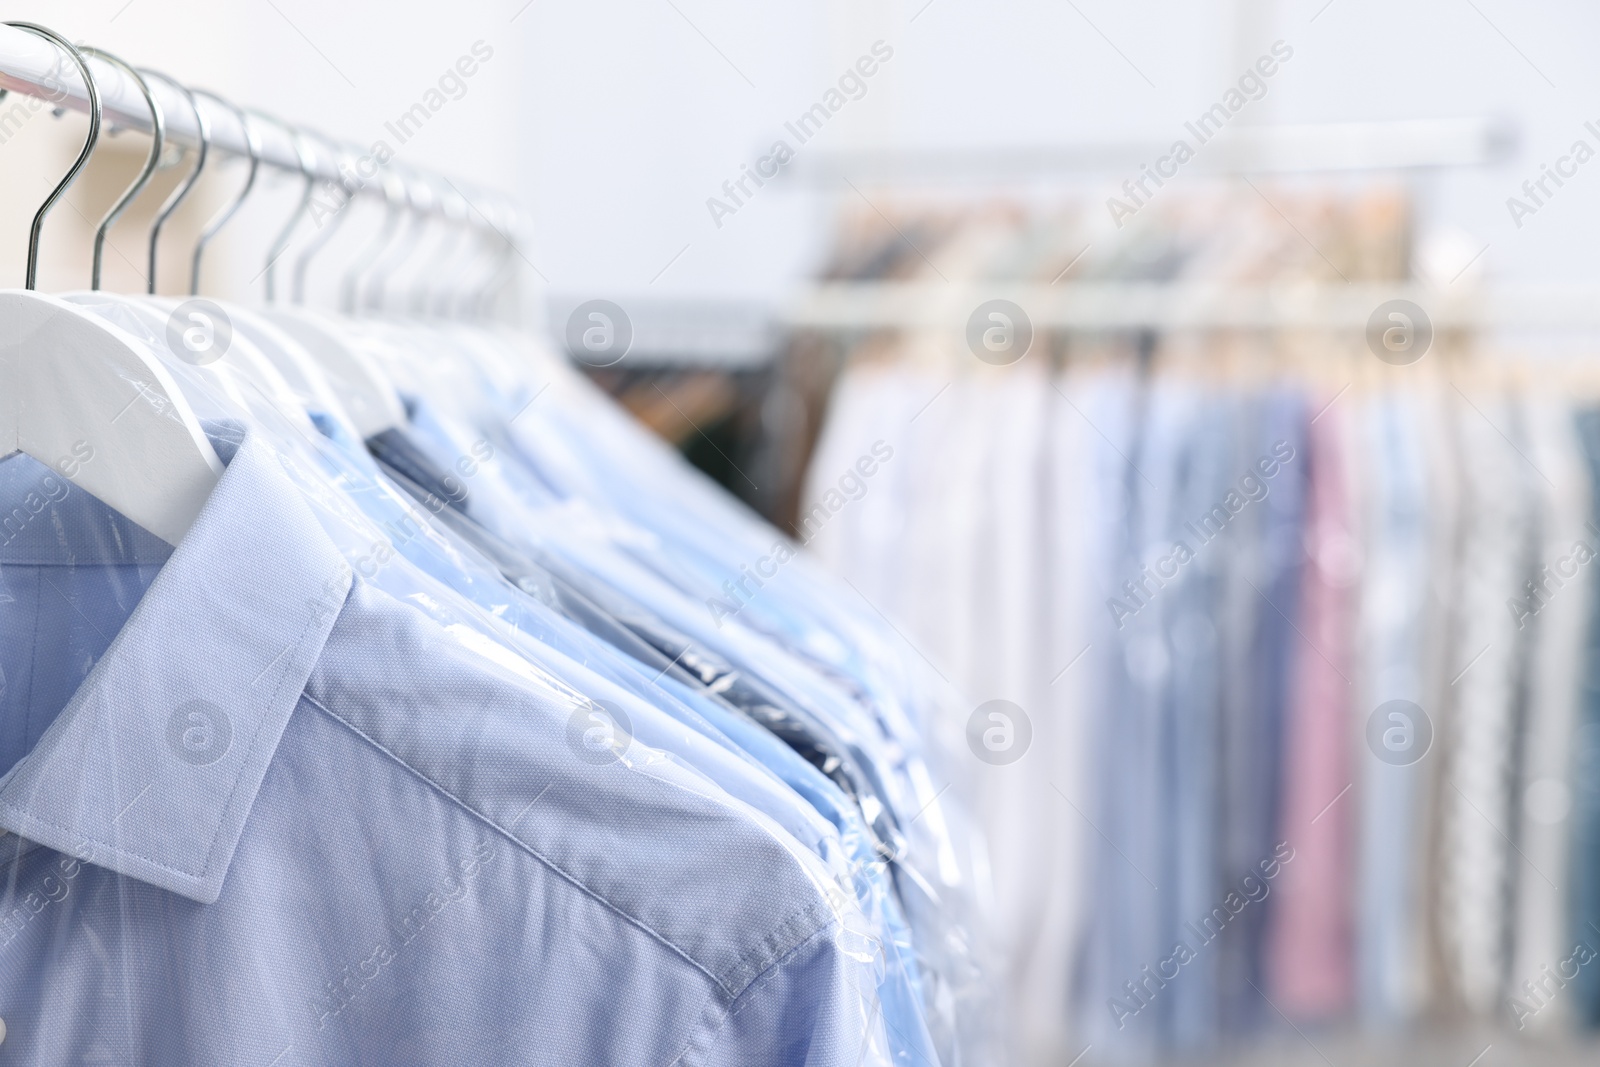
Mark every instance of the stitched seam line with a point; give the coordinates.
(772, 947)
(740, 1003)
(519, 843)
(28, 819)
(261, 720)
(113, 850)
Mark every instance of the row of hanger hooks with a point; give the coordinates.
(475, 246)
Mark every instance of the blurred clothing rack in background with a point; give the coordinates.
(1307, 149)
(720, 333)
(744, 336)
(850, 306)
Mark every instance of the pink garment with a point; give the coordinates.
(1309, 953)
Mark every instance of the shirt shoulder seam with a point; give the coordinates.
(731, 993)
(701, 1044)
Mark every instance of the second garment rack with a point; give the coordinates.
(853, 306)
(744, 336)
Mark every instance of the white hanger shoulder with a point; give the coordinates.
(85, 399)
(368, 395)
(243, 373)
(293, 362)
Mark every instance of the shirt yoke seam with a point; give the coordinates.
(524, 846)
(694, 1052)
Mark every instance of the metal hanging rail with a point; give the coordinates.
(1307, 148)
(1091, 306)
(32, 66)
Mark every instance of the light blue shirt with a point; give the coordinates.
(498, 493)
(265, 813)
(900, 988)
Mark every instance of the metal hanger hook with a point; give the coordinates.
(347, 188)
(485, 245)
(252, 142)
(181, 191)
(308, 161)
(505, 270)
(394, 198)
(158, 138)
(83, 155)
(420, 199)
(454, 207)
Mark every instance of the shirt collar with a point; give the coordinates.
(151, 768)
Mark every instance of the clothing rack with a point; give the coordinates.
(1305, 148)
(745, 336)
(33, 66)
(1308, 148)
(855, 306)
(727, 335)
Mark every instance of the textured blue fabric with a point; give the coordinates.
(620, 505)
(655, 611)
(656, 708)
(833, 719)
(900, 986)
(263, 812)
